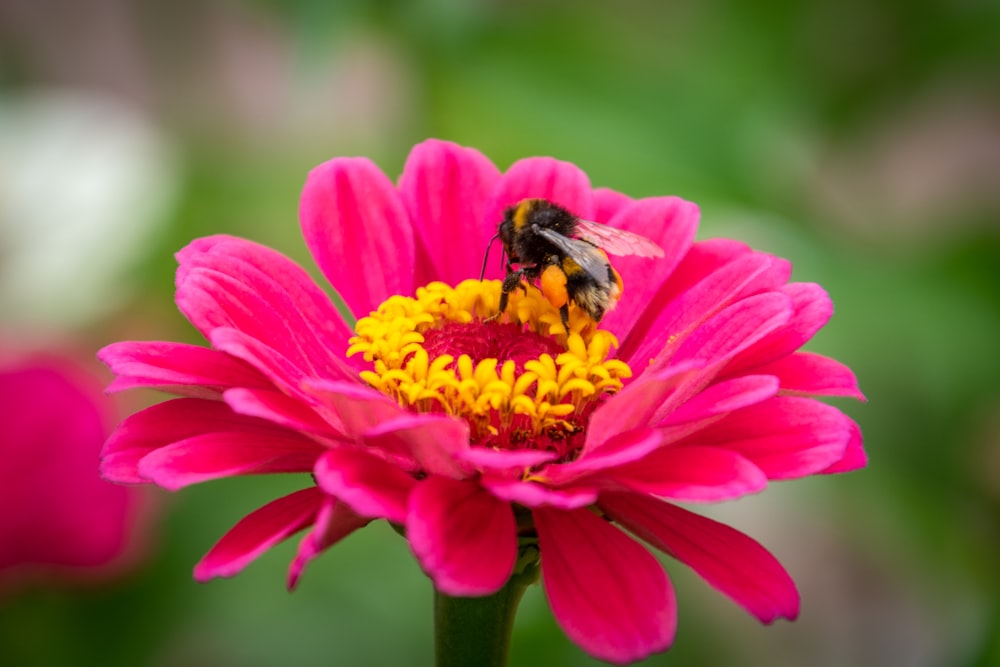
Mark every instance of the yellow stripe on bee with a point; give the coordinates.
(521, 213)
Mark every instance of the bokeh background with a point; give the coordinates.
(860, 139)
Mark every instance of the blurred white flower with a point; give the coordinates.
(86, 183)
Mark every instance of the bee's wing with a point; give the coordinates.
(584, 253)
(617, 241)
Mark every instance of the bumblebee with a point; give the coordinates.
(565, 256)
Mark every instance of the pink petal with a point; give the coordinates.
(620, 449)
(561, 182)
(702, 260)
(670, 382)
(371, 486)
(732, 330)
(359, 407)
(692, 473)
(855, 457)
(182, 369)
(445, 187)
(259, 531)
(534, 494)
(229, 282)
(812, 309)
(163, 424)
(463, 537)
(607, 203)
(224, 454)
(59, 516)
(281, 410)
(636, 405)
(283, 373)
(660, 331)
(671, 222)
(727, 559)
(334, 522)
(607, 592)
(809, 374)
(786, 436)
(436, 443)
(724, 397)
(357, 228)
(505, 460)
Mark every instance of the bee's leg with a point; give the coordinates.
(564, 316)
(514, 280)
(510, 283)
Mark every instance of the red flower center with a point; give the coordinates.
(489, 340)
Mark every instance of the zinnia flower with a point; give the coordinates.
(60, 518)
(485, 438)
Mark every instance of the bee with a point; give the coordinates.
(566, 256)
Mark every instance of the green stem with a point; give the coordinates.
(475, 632)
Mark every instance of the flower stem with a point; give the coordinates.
(475, 632)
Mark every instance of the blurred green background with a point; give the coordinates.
(859, 139)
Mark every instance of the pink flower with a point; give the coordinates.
(60, 518)
(475, 434)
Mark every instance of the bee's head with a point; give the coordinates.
(507, 227)
(515, 219)
(505, 232)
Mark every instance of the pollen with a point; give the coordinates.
(521, 380)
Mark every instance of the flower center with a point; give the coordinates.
(520, 380)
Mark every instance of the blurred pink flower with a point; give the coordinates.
(60, 518)
(476, 434)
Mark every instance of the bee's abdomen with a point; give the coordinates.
(585, 291)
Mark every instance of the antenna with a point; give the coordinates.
(486, 257)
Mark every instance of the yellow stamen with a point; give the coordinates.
(415, 347)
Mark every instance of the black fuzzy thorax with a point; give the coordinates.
(523, 242)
